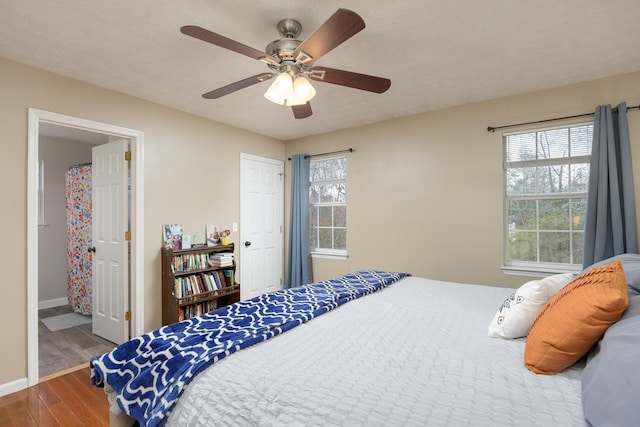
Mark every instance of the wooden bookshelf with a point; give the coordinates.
(196, 281)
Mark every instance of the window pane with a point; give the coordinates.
(521, 181)
(554, 214)
(578, 247)
(324, 216)
(313, 216)
(580, 177)
(340, 238)
(578, 214)
(314, 193)
(521, 147)
(325, 236)
(328, 170)
(341, 193)
(553, 144)
(313, 237)
(522, 215)
(553, 179)
(340, 216)
(523, 246)
(554, 247)
(581, 138)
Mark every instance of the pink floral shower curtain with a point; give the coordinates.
(78, 203)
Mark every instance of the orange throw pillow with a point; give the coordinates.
(575, 318)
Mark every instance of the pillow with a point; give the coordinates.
(517, 313)
(631, 267)
(575, 318)
(611, 378)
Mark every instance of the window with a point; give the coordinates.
(328, 206)
(546, 183)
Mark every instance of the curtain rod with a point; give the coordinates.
(493, 128)
(348, 150)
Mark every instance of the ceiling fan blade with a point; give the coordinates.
(225, 42)
(350, 79)
(302, 111)
(341, 26)
(226, 90)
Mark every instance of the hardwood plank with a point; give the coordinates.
(74, 399)
(44, 416)
(63, 401)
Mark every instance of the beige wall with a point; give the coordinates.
(57, 154)
(185, 160)
(425, 192)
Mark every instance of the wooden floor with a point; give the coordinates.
(65, 349)
(66, 400)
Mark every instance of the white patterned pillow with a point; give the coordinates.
(517, 313)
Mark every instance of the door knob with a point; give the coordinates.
(247, 244)
(92, 249)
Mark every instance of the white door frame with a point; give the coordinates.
(136, 269)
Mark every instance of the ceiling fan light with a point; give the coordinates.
(281, 90)
(302, 90)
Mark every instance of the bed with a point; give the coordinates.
(411, 351)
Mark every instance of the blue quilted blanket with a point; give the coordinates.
(150, 372)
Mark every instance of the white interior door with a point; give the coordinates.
(261, 225)
(110, 248)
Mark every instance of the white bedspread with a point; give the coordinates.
(414, 354)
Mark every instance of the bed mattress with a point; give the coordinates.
(413, 354)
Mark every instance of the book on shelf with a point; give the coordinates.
(221, 264)
(190, 262)
(229, 277)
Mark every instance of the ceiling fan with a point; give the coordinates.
(292, 61)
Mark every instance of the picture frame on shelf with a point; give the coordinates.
(172, 236)
(213, 234)
(186, 241)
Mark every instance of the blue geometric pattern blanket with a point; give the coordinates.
(149, 372)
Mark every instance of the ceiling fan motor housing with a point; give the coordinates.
(283, 48)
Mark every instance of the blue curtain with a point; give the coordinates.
(611, 227)
(299, 257)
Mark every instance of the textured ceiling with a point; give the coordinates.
(437, 53)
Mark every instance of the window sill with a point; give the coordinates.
(538, 271)
(329, 255)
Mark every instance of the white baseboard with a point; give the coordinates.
(13, 386)
(52, 303)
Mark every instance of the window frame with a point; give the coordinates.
(538, 268)
(327, 252)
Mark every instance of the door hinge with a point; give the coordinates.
(281, 281)
(127, 235)
(127, 155)
(127, 315)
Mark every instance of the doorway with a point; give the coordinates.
(40, 121)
